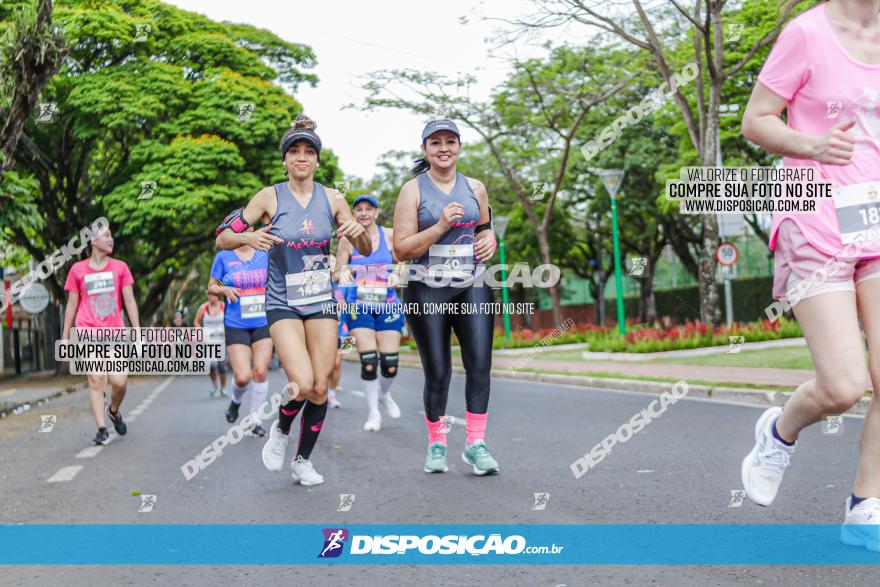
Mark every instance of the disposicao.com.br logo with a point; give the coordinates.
(335, 538)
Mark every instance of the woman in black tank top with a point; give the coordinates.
(443, 223)
(302, 323)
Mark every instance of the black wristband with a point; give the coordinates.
(482, 227)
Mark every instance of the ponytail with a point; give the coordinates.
(420, 166)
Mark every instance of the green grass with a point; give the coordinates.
(779, 358)
(602, 375)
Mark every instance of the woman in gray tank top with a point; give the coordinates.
(215, 333)
(442, 223)
(300, 215)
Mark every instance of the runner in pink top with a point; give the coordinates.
(100, 292)
(824, 71)
(826, 90)
(98, 288)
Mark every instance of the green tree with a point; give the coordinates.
(30, 53)
(165, 122)
(675, 37)
(529, 123)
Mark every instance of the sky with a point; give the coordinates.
(352, 39)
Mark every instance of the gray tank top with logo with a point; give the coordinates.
(299, 268)
(213, 325)
(452, 257)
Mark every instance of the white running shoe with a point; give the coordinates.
(763, 468)
(861, 526)
(303, 472)
(390, 405)
(274, 449)
(374, 422)
(333, 402)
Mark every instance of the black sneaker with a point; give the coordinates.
(232, 412)
(118, 423)
(258, 431)
(102, 436)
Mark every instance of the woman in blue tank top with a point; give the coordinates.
(300, 215)
(442, 222)
(373, 311)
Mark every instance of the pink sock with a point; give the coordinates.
(435, 433)
(475, 426)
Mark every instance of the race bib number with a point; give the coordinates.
(214, 333)
(308, 287)
(457, 260)
(253, 306)
(98, 283)
(858, 209)
(372, 294)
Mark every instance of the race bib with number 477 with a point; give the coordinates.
(253, 306)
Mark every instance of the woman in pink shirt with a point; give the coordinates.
(99, 286)
(824, 71)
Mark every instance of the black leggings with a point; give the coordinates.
(432, 333)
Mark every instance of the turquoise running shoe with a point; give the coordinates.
(477, 455)
(436, 461)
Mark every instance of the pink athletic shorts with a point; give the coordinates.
(801, 271)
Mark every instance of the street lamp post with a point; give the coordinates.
(500, 225)
(725, 110)
(612, 179)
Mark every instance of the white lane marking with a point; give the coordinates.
(65, 473)
(89, 452)
(645, 471)
(147, 401)
(69, 472)
(357, 392)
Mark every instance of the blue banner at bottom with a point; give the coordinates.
(708, 544)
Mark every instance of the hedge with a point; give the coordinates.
(750, 296)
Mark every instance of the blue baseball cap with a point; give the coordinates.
(437, 126)
(365, 198)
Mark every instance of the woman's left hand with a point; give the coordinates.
(485, 245)
(350, 230)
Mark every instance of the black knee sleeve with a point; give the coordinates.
(388, 362)
(369, 359)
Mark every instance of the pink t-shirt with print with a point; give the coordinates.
(100, 293)
(824, 87)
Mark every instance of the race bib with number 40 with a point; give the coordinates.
(457, 260)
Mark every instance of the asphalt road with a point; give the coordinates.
(679, 469)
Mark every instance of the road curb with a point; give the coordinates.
(765, 397)
(8, 409)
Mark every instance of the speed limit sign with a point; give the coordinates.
(727, 254)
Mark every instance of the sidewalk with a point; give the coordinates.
(27, 391)
(736, 385)
(751, 376)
